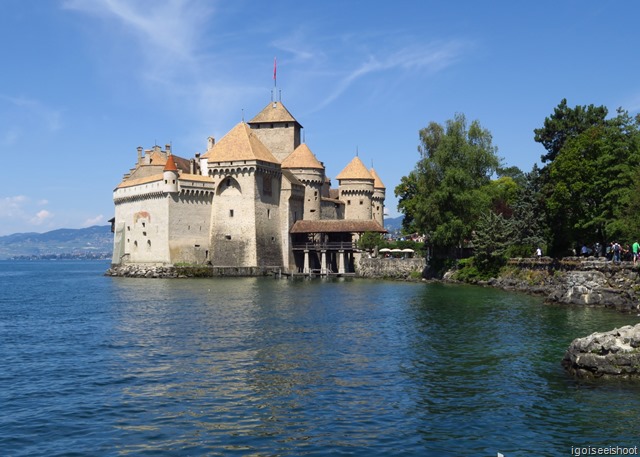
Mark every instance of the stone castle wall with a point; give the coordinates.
(385, 268)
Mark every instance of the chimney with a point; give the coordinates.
(168, 148)
(139, 155)
(210, 142)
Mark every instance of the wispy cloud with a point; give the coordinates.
(99, 219)
(430, 58)
(164, 31)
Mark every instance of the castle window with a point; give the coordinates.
(144, 224)
(165, 181)
(268, 214)
(144, 233)
(266, 185)
(228, 237)
(230, 213)
(273, 238)
(286, 126)
(149, 243)
(361, 202)
(128, 228)
(348, 202)
(312, 210)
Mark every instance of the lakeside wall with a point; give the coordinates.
(573, 280)
(390, 268)
(375, 268)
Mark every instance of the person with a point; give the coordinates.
(538, 253)
(616, 252)
(635, 248)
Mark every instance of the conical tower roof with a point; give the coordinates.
(355, 170)
(274, 112)
(239, 144)
(377, 182)
(302, 157)
(171, 164)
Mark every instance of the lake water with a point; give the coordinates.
(101, 366)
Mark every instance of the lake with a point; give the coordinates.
(101, 366)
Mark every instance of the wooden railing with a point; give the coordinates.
(329, 246)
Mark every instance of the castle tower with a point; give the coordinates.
(356, 190)
(245, 222)
(307, 169)
(377, 202)
(170, 176)
(277, 129)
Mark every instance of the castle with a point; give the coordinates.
(257, 200)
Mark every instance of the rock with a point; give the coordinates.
(608, 354)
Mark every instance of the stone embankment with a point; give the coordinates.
(184, 271)
(575, 281)
(390, 268)
(605, 355)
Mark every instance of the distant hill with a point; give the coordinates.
(393, 224)
(96, 241)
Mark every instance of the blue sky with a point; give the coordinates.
(83, 83)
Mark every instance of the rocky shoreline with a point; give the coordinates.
(613, 354)
(572, 281)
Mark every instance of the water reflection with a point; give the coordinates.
(265, 367)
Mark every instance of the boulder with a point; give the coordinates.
(608, 354)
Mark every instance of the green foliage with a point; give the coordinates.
(370, 240)
(590, 184)
(491, 239)
(528, 216)
(566, 123)
(446, 193)
(469, 270)
(407, 193)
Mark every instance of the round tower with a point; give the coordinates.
(170, 176)
(304, 165)
(356, 190)
(377, 201)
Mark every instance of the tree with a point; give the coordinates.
(369, 240)
(457, 162)
(407, 191)
(590, 183)
(491, 239)
(529, 220)
(566, 123)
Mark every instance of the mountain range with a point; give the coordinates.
(93, 242)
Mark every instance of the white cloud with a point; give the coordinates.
(164, 30)
(41, 217)
(99, 219)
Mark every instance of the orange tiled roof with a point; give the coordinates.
(355, 170)
(139, 181)
(302, 157)
(377, 182)
(336, 226)
(239, 144)
(170, 165)
(273, 112)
